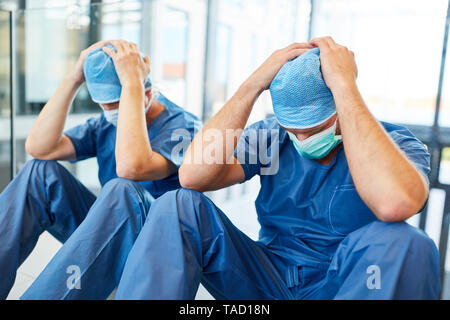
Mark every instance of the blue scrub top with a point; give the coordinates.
(97, 138)
(306, 209)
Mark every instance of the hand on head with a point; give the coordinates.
(337, 63)
(264, 75)
(77, 72)
(131, 68)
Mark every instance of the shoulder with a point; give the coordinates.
(98, 121)
(268, 124)
(397, 131)
(266, 131)
(409, 143)
(175, 116)
(91, 124)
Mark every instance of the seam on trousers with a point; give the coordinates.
(98, 254)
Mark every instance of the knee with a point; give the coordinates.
(188, 195)
(121, 191)
(40, 170)
(117, 184)
(36, 165)
(183, 196)
(186, 203)
(402, 233)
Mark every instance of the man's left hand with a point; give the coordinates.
(337, 62)
(130, 67)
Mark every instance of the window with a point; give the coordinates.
(398, 47)
(5, 106)
(175, 34)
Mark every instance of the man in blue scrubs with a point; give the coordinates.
(332, 203)
(133, 140)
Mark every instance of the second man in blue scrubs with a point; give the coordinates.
(134, 141)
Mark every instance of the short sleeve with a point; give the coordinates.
(246, 152)
(416, 152)
(84, 138)
(257, 150)
(173, 139)
(414, 149)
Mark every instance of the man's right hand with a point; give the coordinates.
(264, 75)
(77, 74)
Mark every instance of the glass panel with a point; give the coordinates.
(174, 53)
(444, 116)
(5, 105)
(444, 172)
(222, 66)
(247, 32)
(398, 46)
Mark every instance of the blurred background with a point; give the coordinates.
(202, 50)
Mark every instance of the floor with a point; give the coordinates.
(240, 211)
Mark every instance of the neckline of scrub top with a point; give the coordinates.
(333, 161)
(158, 118)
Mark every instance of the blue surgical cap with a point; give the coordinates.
(300, 96)
(101, 78)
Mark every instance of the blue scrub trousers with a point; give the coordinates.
(97, 232)
(187, 240)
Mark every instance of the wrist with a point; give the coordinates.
(133, 84)
(251, 87)
(71, 81)
(345, 86)
(347, 98)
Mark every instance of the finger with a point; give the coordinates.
(330, 42)
(133, 45)
(294, 53)
(299, 45)
(134, 48)
(118, 44)
(325, 42)
(147, 61)
(322, 43)
(110, 52)
(342, 47)
(98, 44)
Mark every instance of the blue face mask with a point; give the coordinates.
(112, 116)
(318, 145)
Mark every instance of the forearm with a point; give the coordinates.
(214, 146)
(133, 149)
(384, 177)
(46, 133)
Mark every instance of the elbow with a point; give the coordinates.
(189, 179)
(32, 150)
(131, 171)
(29, 148)
(402, 208)
(394, 213)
